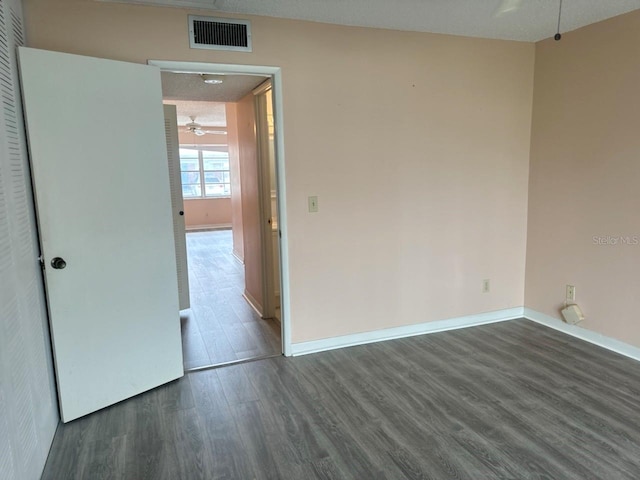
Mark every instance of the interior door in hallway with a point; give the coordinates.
(98, 153)
(177, 203)
(268, 192)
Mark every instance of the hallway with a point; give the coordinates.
(221, 326)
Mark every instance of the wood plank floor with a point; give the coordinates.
(221, 326)
(511, 400)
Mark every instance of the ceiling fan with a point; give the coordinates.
(196, 129)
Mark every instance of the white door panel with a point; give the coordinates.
(98, 154)
(268, 198)
(177, 202)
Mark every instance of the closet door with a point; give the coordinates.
(98, 150)
(28, 406)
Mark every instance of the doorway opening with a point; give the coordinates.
(230, 182)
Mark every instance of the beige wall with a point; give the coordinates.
(251, 225)
(416, 144)
(236, 187)
(585, 176)
(209, 212)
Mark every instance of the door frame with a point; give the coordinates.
(275, 73)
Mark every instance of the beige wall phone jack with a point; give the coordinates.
(571, 312)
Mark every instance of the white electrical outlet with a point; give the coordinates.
(571, 293)
(486, 285)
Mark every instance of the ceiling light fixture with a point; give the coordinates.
(211, 79)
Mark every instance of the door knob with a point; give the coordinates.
(58, 263)
(181, 212)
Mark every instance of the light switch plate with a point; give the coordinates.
(313, 204)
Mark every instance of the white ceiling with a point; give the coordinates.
(207, 114)
(187, 86)
(534, 20)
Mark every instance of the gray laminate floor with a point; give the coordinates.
(221, 326)
(511, 400)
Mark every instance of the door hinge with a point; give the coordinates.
(41, 261)
(279, 233)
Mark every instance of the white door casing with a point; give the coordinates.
(177, 203)
(98, 155)
(276, 77)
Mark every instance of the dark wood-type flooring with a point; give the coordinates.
(511, 400)
(221, 326)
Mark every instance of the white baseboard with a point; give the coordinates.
(314, 346)
(206, 228)
(253, 302)
(583, 334)
(332, 343)
(237, 257)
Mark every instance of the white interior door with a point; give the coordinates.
(98, 154)
(268, 199)
(177, 202)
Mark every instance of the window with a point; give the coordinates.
(204, 173)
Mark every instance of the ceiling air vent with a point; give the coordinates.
(219, 33)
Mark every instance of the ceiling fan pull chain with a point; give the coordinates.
(558, 35)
